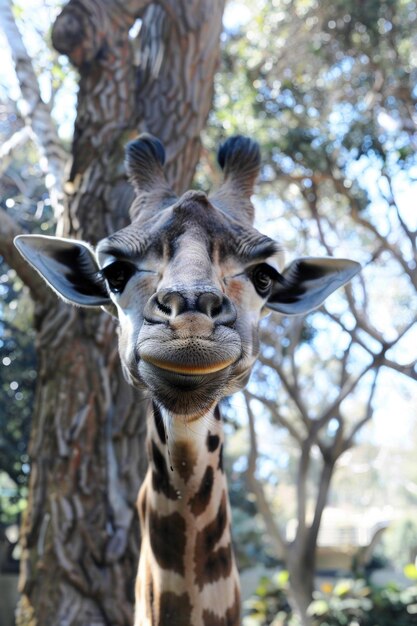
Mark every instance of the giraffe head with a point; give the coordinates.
(188, 279)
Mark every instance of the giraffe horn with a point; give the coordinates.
(144, 161)
(240, 159)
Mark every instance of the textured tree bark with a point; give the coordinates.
(80, 533)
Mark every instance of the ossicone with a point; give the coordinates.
(145, 158)
(239, 155)
(240, 159)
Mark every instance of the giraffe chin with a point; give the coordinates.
(184, 394)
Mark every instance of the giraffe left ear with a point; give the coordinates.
(306, 283)
(69, 267)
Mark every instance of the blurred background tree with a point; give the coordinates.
(139, 66)
(329, 91)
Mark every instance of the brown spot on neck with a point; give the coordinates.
(160, 476)
(212, 564)
(184, 459)
(167, 540)
(199, 502)
(174, 610)
(212, 442)
(220, 465)
(159, 423)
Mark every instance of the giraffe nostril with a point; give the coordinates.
(166, 310)
(218, 307)
(170, 303)
(215, 311)
(209, 303)
(163, 306)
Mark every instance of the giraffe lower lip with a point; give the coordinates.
(188, 370)
(178, 381)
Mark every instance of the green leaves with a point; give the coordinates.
(349, 603)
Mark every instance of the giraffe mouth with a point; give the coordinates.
(188, 370)
(183, 393)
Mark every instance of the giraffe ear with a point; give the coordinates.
(306, 283)
(69, 267)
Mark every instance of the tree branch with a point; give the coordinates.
(368, 415)
(80, 29)
(323, 492)
(344, 392)
(409, 369)
(256, 486)
(19, 138)
(292, 389)
(38, 113)
(303, 467)
(272, 407)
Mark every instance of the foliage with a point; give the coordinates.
(329, 91)
(270, 603)
(399, 543)
(25, 197)
(17, 387)
(347, 603)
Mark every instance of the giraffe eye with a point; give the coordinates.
(262, 277)
(117, 275)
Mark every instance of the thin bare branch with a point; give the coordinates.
(7, 150)
(344, 392)
(257, 488)
(409, 369)
(38, 113)
(368, 415)
(343, 365)
(353, 332)
(361, 320)
(391, 247)
(292, 390)
(278, 417)
(402, 332)
(410, 234)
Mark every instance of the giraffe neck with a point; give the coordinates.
(187, 573)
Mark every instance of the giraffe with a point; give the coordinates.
(189, 280)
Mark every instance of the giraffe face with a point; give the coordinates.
(189, 279)
(189, 292)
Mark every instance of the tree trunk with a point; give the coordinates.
(301, 560)
(301, 568)
(80, 535)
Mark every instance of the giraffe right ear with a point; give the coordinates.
(68, 266)
(306, 283)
